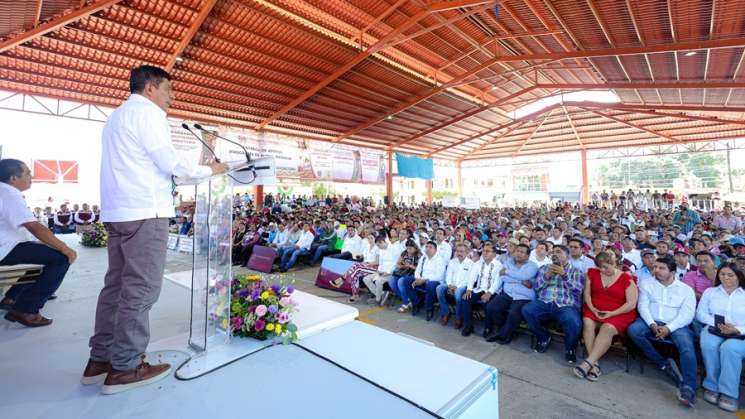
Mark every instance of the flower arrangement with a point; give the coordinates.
(95, 237)
(261, 310)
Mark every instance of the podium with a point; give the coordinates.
(211, 274)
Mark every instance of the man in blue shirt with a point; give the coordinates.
(504, 311)
(686, 218)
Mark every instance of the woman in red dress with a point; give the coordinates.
(610, 298)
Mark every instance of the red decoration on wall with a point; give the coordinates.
(55, 171)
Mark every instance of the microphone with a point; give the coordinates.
(186, 127)
(245, 150)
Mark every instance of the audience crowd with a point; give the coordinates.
(651, 276)
(66, 219)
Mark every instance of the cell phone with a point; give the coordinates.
(718, 320)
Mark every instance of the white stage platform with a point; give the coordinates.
(340, 368)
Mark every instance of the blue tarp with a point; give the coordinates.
(410, 166)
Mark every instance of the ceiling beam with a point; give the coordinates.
(415, 100)
(460, 117)
(639, 127)
(639, 36)
(392, 8)
(471, 138)
(37, 12)
(679, 115)
(193, 29)
(360, 57)
(55, 24)
(574, 129)
(495, 139)
(711, 84)
(441, 6)
(631, 107)
(648, 49)
(532, 133)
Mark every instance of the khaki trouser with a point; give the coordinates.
(137, 257)
(375, 282)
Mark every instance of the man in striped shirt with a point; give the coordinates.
(558, 288)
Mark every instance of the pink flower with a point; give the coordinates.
(283, 318)
(284, 301)
(261, 310)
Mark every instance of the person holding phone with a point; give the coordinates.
(558, 297)
(722, 312)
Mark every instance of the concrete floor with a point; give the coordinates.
(531, 385)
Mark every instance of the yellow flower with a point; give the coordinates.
(270, 327)
(253, 277)
(264, 295)
(225, 323)
(278, 329)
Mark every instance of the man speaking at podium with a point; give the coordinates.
(137, 162)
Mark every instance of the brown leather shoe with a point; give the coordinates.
(28, 319)
(7, 304)
(445, 319)
(458, 323)
(95, 372)
(118, 381)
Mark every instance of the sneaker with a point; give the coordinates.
(570, 356)
(384, 298)
(118, 381)
(404, 308)
(711, 397)
(672, 371)
(687, 397)
(542, 347)
(95, 372)
(727, 403)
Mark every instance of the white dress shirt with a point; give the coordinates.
(444, 252)
(430, 268)
(674, 305)
(370, 254)
(634, 256)
(14, 212)
(534, 258)
(137, 162)
(485, 276)
(715, 300)
(305, 240)
(281, 238)
(458, 273)
(387, 259)
(59, 222)
(353, 245)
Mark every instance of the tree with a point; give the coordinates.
(708, 167)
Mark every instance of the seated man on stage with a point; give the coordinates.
(63, 221)
(302, 247)
(456, 281)
(559, 288)
(482, 285)
(83, 219)
(24, 301)
(504, 311)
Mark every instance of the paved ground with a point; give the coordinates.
(531, 385)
